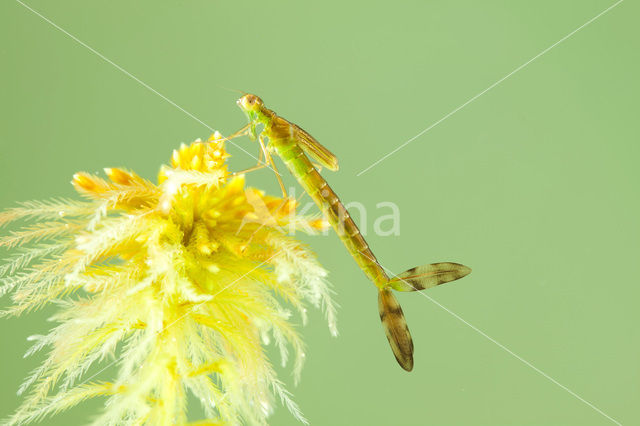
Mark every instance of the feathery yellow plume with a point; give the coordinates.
(181, 283)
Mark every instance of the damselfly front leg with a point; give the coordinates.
(269, 159)
(264, 153)
(250, 169)
(243, 131)
(261, 164)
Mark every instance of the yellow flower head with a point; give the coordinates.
(180, 282)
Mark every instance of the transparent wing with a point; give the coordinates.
(313, 148)
(427, 276)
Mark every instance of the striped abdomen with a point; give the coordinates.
(333, 209)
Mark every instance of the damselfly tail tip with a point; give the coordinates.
(393, 321)
(396, 328)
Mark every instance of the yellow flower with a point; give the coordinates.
(180, 283)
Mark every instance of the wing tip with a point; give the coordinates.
(407, 365)
(464, 270)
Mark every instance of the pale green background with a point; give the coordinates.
(534, 184)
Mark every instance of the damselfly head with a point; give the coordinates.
(250, 103)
